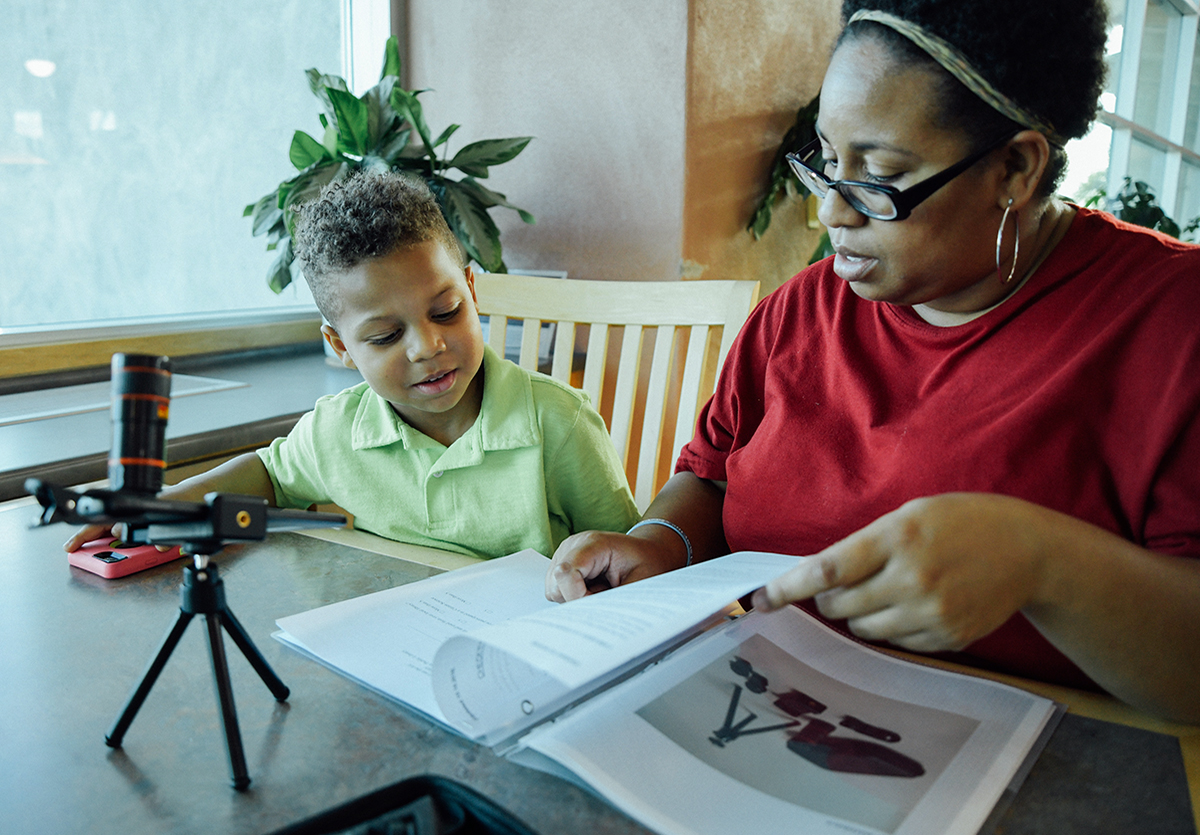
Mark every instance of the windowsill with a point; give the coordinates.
(25, 352)
(279, 386)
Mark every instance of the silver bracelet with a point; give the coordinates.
(686, 542)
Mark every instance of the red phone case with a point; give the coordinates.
(111, 558)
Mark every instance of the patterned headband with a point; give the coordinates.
(955, 63)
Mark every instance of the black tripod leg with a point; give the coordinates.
(143, 689)
(233, 737)
(240, 637)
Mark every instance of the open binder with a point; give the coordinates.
(687, 719)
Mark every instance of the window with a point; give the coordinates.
(132, 135)
(1149, 129)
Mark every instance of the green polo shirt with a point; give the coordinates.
(536, 466)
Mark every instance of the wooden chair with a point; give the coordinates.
(654, 389)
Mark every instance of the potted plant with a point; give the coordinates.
(376, 131)
(782, 183)
(1136, 203)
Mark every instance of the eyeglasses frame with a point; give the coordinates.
(904, 200)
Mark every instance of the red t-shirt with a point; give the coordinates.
(1080, 393)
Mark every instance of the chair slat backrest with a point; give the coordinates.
(649, 398)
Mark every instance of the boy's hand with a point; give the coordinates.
(91, 532)
(87, 534)
(593, 561)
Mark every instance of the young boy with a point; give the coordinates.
(445, 444)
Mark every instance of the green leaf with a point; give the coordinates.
(391, 58)
(278, 233)
(445, 135)
(286, 187)
(761, 220)
(475, 158)
(1167, 226)
(488, 198)
(305, 150)
(406, 104)
(381, 118)
(320, 85)
(265, 212)
(279, 275)
(469, 220)
(308, 185)
(393, 144)
(374, 162)
(352, 121)
(413, 152)
(330, 141)
(318, 82)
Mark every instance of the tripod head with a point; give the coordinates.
(140, 405)
(201, 528)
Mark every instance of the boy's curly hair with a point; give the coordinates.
(369, 214)
(1046, 55)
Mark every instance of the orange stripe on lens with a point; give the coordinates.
(155, 397)
(137, 462)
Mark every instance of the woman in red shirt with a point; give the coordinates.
(981, 417)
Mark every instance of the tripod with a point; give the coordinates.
(141, 385)
(203, 529)
(203, 593)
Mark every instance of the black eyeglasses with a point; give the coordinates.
(873, 199)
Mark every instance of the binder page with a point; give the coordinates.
(482, 681)
(775, 723)
(387, 640)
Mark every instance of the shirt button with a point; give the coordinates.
(438, 474)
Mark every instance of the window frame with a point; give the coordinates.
(1182, 36)
(46, 350)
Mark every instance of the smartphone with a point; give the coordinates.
(111, 558)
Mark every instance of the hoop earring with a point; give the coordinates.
(1016, 243)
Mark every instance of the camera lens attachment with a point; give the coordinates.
(141, 402)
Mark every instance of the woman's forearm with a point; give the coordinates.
(695, 505)
(1130, 618)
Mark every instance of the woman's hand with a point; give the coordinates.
(593, 561)
(936, 574)
(942, 572)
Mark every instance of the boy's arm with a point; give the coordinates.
(244, 475)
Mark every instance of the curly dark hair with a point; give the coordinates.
(1046, 55)
(369, 214)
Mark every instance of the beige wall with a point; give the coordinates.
(655, 124)
(751, 66)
